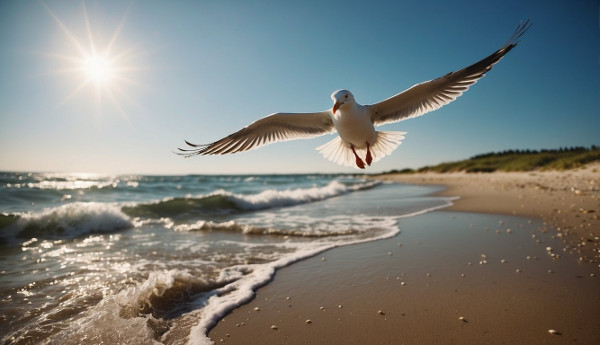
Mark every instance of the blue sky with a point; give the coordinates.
(199, 70)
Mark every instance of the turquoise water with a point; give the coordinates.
(162, 258)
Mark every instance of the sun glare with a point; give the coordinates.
(98, 69)
(99, 66)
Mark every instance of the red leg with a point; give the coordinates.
(359, 162)
(369, 157)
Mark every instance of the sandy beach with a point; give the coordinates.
(514, 261)
(569, 201)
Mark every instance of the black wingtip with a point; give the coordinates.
(520, 31)
(187, 153)
(190, 152)
(190, 144)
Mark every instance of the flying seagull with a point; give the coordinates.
(355, 123)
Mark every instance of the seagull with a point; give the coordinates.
(355, 123)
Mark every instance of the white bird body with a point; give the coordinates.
(355, 123)
(357, 136)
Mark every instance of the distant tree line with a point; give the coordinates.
(518, 160)
(572, 149)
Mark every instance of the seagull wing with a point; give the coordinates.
(273, 128)
(434, 94)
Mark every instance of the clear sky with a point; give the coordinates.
(116, 86)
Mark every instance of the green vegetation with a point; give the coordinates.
(519, 160)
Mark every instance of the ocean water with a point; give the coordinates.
(89, 259)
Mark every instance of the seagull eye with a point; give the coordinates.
(346, 96)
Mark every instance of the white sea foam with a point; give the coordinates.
(210, 225)
(305, 227)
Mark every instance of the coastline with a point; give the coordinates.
(487, 270)
(568, 201)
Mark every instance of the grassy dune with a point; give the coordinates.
(518, 160)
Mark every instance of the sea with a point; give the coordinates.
(135, 259)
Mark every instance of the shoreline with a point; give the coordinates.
(568, 201)
(505, 264)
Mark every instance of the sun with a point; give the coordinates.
(100, 67)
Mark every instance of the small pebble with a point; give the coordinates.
(462, 275)
(308, 321)
(322, 308)
(462, 318)
(340, 306)
(256, 309)
(380, 312)
(288, 298)
(518, 270)
(273, 327)
(553, 331)
(502, 261)
(390, 253)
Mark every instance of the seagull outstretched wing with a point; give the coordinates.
(434, 94)
(273, 128)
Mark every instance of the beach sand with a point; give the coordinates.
(569, 200)
(525, 264)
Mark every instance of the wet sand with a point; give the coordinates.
(451, 276)
(569, 201)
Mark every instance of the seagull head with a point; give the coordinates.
(341, 97)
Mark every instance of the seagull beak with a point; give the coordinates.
(336, 105)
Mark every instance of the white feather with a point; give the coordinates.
(384, 144)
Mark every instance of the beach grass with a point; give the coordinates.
(517, 160)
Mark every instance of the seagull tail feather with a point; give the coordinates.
(384, 144)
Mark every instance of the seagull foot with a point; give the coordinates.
(359, 162)
(369, 157)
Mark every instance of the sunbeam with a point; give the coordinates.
(100, 69)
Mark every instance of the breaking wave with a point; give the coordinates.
(78, 219)
(223, 202)
(66, 221)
